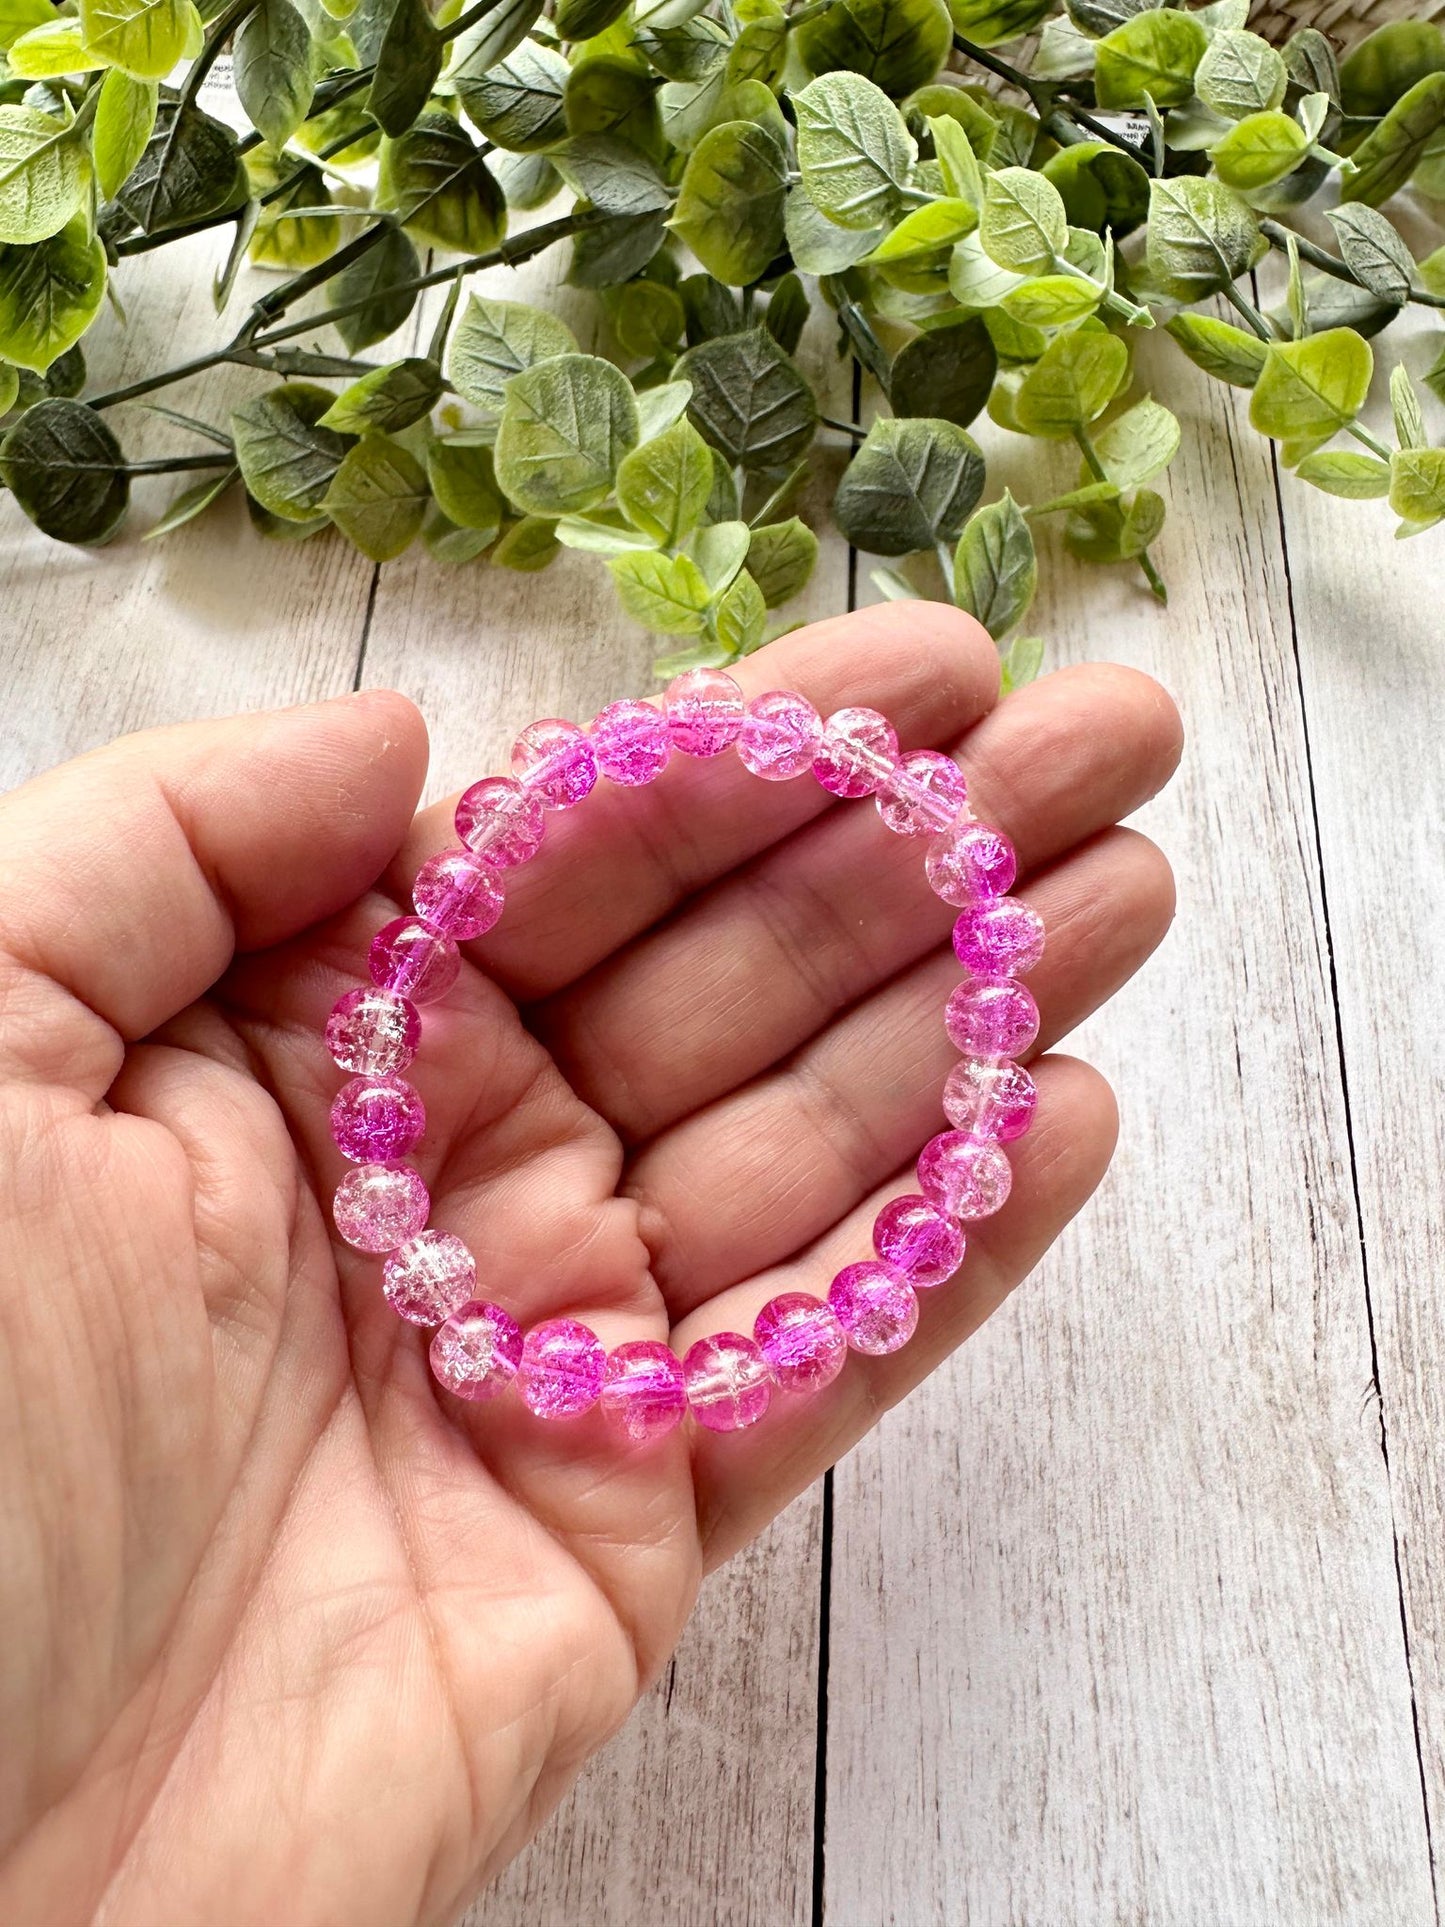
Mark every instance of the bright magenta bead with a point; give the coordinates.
(556, 763)
(728, 1382)
(429, 1277)
(989, 1100)
(913, 1237)
(993, 1018)
(704, 712)
(780, 735)
(876, 1307)
(379, 1206)
(501, 821)
(925, 794)
(642, 1391)
(999, 937)
(409, 955)
(802, 1341)
(373, 1031)
(964, 1177)
(562, 1366)
(459, 893)
(857, 754)
(377, 1119)
(631, 742)
(970, 861)
(475, 1354)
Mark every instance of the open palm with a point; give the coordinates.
(290, 1634)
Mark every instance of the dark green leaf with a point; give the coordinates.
(193, 501)
(1388, 155)
(528, 545)
(527, 181)
(459, 468)
(518, 104)
(1310, 63)
(1374, 251)
(1101, 187)
(780, 559)
(730, 203)
(616, 249)
(988, 23)
(379, 277)
(406, 67)
(486, 44)
(66, 374)
(648, 319)
(687, 52)
(566, 425)
(897, 44)
(387, 399)
(188, 170)
(611, 174)
(1219, 348)
(495, 340)
(378, 497)
(1387, 64)
(66, 470)
(49, 295)
(451, 545)
(272, 67)
(995, 570)
(436, 183)
(287, 459)
(787, 313)
(585, 19)
(910, 485)
(760, 51)
(945, 372)
(749, 399)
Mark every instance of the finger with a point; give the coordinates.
(129, 877)
(614, 866)
(744, 1183)
(774, 950)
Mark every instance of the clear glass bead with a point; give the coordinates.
(476, 1352)
(501, 821)
(802, 1341)
(562, 1366)
(555, 762)
(999, 937)
(964, 1177)
(970, 861)
(917, 1240)
(642, 1390)
(876, 1307)
(704, 712)
(857, 754)
(926, 794)
(373, 1031)
(459, 893)
(990, 1100)
(379, 1206)
(429, 1277)
(991, 1017)
(780, 735)
(728, 1382)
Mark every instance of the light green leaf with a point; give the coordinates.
(925, 234)
(720, 551)
(730, 204)
(1309, 389)
(760, 50)
(1023, 226)
(995, 570)
(1201, 237)
(1024, 657)
(976, 282)
(854, 150)
(1117, 531)
(9, 387)
(1374, 251)
(273, 69)
(566, 426)
(1154, 55)
(911, 485)
(1417, 487)
(988, 23)
(598, 537)
(1139, 444)
(378, 497)
(488, 42)
(43, 174)
(450, 545)
(50, 293)
(1240, 74)
(749, 399)
(1389, 154)
(1072, 384)
(781, 557)
(947, 371)
(892, 586)
(1064, 53)
(663, 486)
(648, 320)
(817, 244)
(962, 174)
(64, 467)
(518, 104)
(288, 461)
(459, 469)
(667, 594)
(660, 407)
(495, 340)
(1051, 301)
(145, 37)
(1347, 472)
(436, 183)
(741, 618)
(1405, 407)
(22, 16)
(56, 48)
(527, 546)
(1259, 150)
(1219, 348)
(528, 181)
(193, 501)
(387, 399)
(124, 118)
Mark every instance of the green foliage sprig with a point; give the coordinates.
(727, 166)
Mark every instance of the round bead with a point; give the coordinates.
(377, 1119)
(802, 1341)
(414, 958)
(925, 794)
(459, 893)
(875, 1306)
(373, 1031)
(642, 1392)
(912, 1237)
(631, 742)
(429, 1277)
(995, 1018)
(999, 937)
(990, 1100)
(556, 762)
(970, 861)
(857, 754)
(728, 1382)
(562, 1366)
(379, 1206)
(501, 821)
(962, 1176)
(477, 1351)
(704, 712)
(780, 735)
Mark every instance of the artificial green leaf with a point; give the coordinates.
(1101, 188)
(1417, 487)
(1373, 250)
(489, 41)
(1332, 303)
(611, 174)
(64, 467)
(527, 181)
(719, 550)
(988, 23)
(663, 486)
(1023, 225)
(1309, 389)
(925, 235)
(1405, 407)
(1387, 64)
(295, 226)
(1099, 17)
(189, 169)
(1259, 150)
(741, 617)
(585, 19)
(658, 408)
(667, 594)
(711, 308)
(730, 204)
(911, 485)
(995, 571)
(518, 104)
(378, 497)
(9, 387)
(387, 399)
(43, 174)
(974, 280)
(947, 371)
(1309, 61)
(1389, 154)
(618, 248)
(451, 545)
(690, 51)
(1240, 74)
(648, 319)
(276, 528)
(565, 427)
(272, 66)
(436, 183)
(897, 44)
(288, 461)
(1139, 444)
(1071, 384)
(1219, 348)
(459, 469)
(1153, 56)
(1201, 237)
(50, 293)
(1022, 661)
(957, 161)
(598, 535)
(787, 312)
(144, 37)
(378, 279)
(18, 17)
(760, 51)
(1051, 300)
(407, 65)
(124, 119)
(817, 244)
(1116, 531)
(56, 48)
(528, 545)
(1347, 472)
(607, 95)
(1064, 53)
(854, 150)
(749, 399)
(781, 557)
(193, 501)
(495, 340)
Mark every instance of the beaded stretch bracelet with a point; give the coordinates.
(799, 1343)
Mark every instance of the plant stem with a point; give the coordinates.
(1242, 305)
(217, 34)
(945, 564)
(850, 429)
(1100, 474)
(1279, 236)
(1372, 442)
(1043, 96)
(179, 464)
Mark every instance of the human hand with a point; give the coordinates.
(290, 1635)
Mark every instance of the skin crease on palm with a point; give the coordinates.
(289, 1634)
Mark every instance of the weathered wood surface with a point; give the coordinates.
(1130, 1615)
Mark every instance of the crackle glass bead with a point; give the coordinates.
(375, 1120)
(373, 1031)
(999, 937)
(915, 1238)
(556, 762)
(970, 861)
(927, 793)
(458, 893)
(780, 735)
(704, 712)
(802, 1341)
(857, 754)
(379, 1206)
(429, 1277)
(414, 958)
(477, 1351)
(501, 821)
(728, 1382)
(876, 1307)
(989, 1100)
(964, 1176)
(993, 1018)
(631, 742)
(561, 1370)
(642, 1391)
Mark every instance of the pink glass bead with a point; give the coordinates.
(631, 742)
(642, 1391)
(477, 1351)
(780, 735)
(728, 1382)
(704, 712)
(962, 1176)
(429, 1277)
(556, 762)
(995, 1018)
(912, 1237)
(876, 1307)
(412, 957)
(802, 1341)
(857, 754)
(459, 893)
(377, 1119)
(1000, 937)
(562, 1366)
(990, 1100)
(970, 861)
(379, 1206)
(925, 794)
(373, 1031)
(501, 821)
